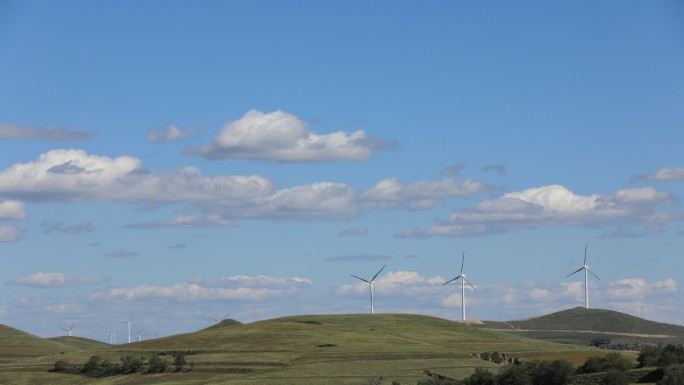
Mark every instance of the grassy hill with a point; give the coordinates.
(580, 326)
(80, 343)
(16, 343)
(315, 349)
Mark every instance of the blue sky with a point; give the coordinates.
(179, 161)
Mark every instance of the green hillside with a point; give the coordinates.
(80, 343)
(315, 349)
(581, 326)
(16, 343)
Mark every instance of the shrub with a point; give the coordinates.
(130, 364)
(615, 377)
(157, 365)
(674, 375)
(179, 361)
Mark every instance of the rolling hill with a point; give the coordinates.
(16, 343)
(80, 343)
(312, 349)
(581, 326)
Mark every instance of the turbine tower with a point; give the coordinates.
(464, 280)
(586, 278)
(370, 282)
(129, 326)
(69, 330)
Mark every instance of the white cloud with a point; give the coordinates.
(186, 221)
(16, 132)
(666, 174)
(170, 133)
(12, 210)
(74, 175)
(53, 280)
(240, 288)
(555, 205)
(283, 137)
(423, 195)
(10, 234)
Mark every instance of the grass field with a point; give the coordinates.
(313, 349)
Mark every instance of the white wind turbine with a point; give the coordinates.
(586, 278)
(370, 282)
(112, 337)
(464, 280)
(129, 326)
(69, 330)
(140, 335)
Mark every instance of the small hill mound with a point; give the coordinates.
(15, 343)
(580, 325)
(222, 324)
(80, 343)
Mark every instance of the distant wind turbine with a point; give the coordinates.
(586, 277)
(464, 280)
(69, 330)
(112, 337)
(219, 320)
(370, 282)
(129, 326)
(140, 335)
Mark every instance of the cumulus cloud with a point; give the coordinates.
(12, 210)
(353, 231)
(422, 195)
(666, 174)
(170, 133)
(17, 132)
(53, 280)
(10, 234)
(283, 137)
(76, 176)
(323, 200)
(58, 227)
(240, 288)
(554, 205)
(185, 221)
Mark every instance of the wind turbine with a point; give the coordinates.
(464, 280)
(69, 330)
(112, 337)
(586, 277)
(370, 282)
(219, 321)
(129, 326)
(140, 335)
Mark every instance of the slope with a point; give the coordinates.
(16, 343)
(581, 326)
(80, 343)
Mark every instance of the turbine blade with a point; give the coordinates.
(131, 317)
(468, 282)
(574, 272)
(213, 319)
(451, 280)
(585, 254)
(592, 273)
(462, 262)
(378, 273)
(364, 280)
(225, 316)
